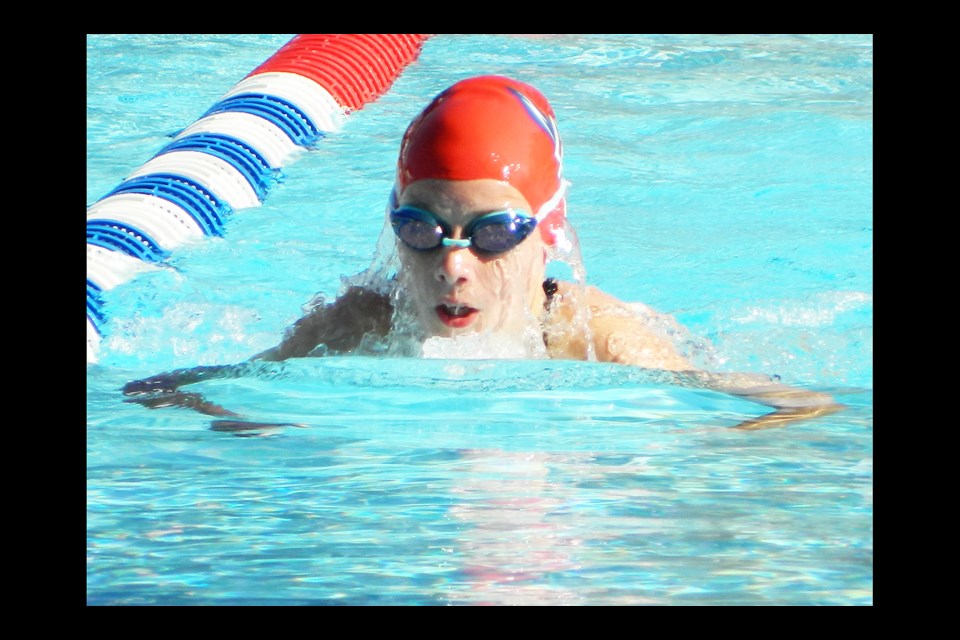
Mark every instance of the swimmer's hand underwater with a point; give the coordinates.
(791, 403)
(164, 391)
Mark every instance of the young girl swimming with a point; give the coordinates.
(478, 208)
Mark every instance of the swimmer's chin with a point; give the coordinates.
(481, 343)
(474, 346)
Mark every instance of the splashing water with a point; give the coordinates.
(406, 339)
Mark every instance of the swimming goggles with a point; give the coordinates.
(491, 233)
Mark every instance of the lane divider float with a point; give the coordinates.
(230, 157)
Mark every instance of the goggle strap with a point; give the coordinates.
(552, 203)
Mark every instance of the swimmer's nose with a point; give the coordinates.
(456, 265)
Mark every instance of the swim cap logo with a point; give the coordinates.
(546, 123)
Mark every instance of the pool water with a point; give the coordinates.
(724, 179)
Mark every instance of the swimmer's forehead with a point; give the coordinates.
(449, 197)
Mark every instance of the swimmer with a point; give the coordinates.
(477, 210)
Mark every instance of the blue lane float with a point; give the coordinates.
(229, 158)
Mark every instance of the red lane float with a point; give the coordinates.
(228, 159)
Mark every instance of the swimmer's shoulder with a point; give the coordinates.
(338, 326)
(621, 332)
(567, 296)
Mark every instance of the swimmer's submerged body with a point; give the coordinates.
(478, 208)
(616, 334)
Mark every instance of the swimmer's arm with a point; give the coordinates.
(790, 404)
(627, 339)
(163, 390)
(339, 326)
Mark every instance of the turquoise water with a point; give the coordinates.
(726, 180)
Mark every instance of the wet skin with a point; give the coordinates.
(459, 290)
(454, 290)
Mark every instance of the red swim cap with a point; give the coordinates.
(490, 127)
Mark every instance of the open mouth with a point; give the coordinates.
(456, 315)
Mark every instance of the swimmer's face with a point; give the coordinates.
(457, 290)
